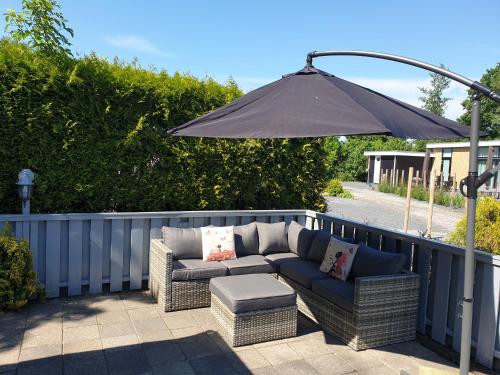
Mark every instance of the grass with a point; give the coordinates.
(441, 197)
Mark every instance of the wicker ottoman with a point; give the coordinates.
(253, 308)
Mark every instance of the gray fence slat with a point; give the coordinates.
(216, 221)
(117, 234)
(155, 231)
(199, 222)
(52, 258)
(361, 236)
(231, 220)
(26, 230)
(490, 298)
(302, 220)
(96, 255)
(348, 231)
(457, 324)
(440, 310)
(261, 219)
(75, 250)
(34, 244)
(136, 256)
(288, 219)
(19, 230)
(275, 219)
(337, 229)
(247, 219)
(174, 222)
(423, 269)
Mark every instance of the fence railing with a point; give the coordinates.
(89, 253)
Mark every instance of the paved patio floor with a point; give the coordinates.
(128, 334)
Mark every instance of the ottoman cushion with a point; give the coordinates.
(243, 293)
(195, 269)
(248, 264)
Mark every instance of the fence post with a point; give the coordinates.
(431, 204)
(397, 177)
(408, 200)
(418, 175)
(402, 177)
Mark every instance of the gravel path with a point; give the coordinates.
(386, 211)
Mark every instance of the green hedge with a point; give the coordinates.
(95, 134)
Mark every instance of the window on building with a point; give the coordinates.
(446, 164)
(493, 183)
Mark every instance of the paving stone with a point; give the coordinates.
(85, 364)
(297, 368)
(330, 364)
(10, 338)
(49, 338)
(143, 313)
(199, 346)
(109, 303)
(186, 333)
(116, 329)
(163, 335)
(149, 325)
(78, 319)
(39, 352)
(76, 334)
(51, 366)
(310, 348)
(178, 321)
(261, 371)
(9, 357)
(377, 370)
(126, 360)
(161, 354)
(360, 360)
(215, 364)
(109, 317)
(174, 368)
(120, 342)
(137, 300)
(278, 354)
(82, 346)
(247, 359)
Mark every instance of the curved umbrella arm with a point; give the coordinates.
(476, 86)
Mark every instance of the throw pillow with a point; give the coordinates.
(218, 243)
(373, 262)
(185, 243)
(246, 239)
(338, 259)
(272, 238)
(300, 239)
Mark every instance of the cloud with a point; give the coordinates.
(134, 43)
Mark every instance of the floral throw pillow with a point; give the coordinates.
(218, 243)
(338, 259)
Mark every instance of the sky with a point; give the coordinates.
(256, 42)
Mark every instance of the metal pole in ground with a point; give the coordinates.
(408, 200)
(471, 230)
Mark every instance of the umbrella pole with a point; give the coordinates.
(469, 252)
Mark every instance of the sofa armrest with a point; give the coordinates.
(160, 272)
(395, 293)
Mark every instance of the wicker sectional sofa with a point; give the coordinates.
(376, 306)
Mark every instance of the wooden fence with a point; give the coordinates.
(89, 253)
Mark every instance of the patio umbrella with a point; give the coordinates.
(313, 103)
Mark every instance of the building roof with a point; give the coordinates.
(395, 153)
(494, 142)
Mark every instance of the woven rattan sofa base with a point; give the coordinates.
(376, 321)
(254, 326)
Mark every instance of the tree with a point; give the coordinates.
(41, 24)
(433, 98)
(490, 110)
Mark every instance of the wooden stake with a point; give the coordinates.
(402, 177)
(397, 177)
(431, 204)
(408, 200)
(418, 173)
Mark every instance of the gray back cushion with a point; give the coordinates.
(300, 239)
(372, 262)
(272, 238)
(320, 244)
(246, 239)
(185, 243)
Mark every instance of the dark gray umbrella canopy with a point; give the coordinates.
(313, 103)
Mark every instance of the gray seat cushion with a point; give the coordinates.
(302, 272)
(300, 239)
(279, 258)
(246, 239)
(272, 238)
(244, 293)
(320, 243)
(372, 262)
(193, 269)
(336, 291)
(248, 264)
(185, 243)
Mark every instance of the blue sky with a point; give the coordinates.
(257, 41)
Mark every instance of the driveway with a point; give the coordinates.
(386, 211)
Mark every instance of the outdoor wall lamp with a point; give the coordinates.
(24, 188)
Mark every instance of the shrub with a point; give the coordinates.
(95, 134)
(334, 188)
(17, 280)
(441, 197)
(487, 236)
